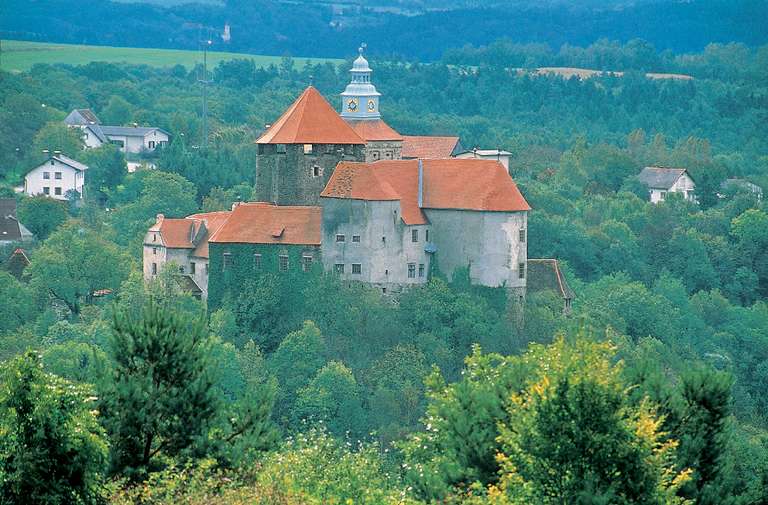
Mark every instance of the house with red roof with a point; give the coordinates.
(184, 244)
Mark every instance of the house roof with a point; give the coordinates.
(468, 184)
(545, 274)
(310, 120)
(81, 117)
(429, 147)
(130, 131)
(17, 262)
(373, 130)
(485, 152)
(96, 129)
(177, 233)
(266, 223)
(67, 161)
(10, 228)
(213, 221)
(660, 178)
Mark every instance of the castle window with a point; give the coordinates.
(206, 269)
(316, 171)
(355, 238)
(192, 268)
(338, 268)
(280, 148)
(154, 268)
(388, 155)
(341, 238)
(154, 237)
(257, 261)
(307, 148)
(154, 250)
(226, 261)
(375, 155)
(357, 268)
(283, 262)
(306, 262)
(522, 235)
(411, 270)
(521, 270)
(421, 269)
(426, 232)
(414, 235)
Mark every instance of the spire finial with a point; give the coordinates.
(311, 80)
(362, 47)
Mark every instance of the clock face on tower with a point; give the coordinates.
(371, 106)
(352, 104)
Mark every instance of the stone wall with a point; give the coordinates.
(298, 175)
(386, 150)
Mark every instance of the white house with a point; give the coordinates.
(58, 177)
(130, 139)
(661, 181)
(487, 154)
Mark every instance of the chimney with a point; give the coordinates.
(421, 184)
(234, 205)
(160, 218)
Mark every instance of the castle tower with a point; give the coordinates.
(298, 153)
(360, 108)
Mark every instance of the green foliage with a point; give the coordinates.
(158, 399)
(52, 449)
(117, 112)
(74, 263)
(41, 215)
(106, 168)
(16, 303)
(57, 137)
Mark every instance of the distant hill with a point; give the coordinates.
(333, 30)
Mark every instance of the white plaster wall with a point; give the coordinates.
(70, 179)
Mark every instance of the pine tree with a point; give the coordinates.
(159, 399)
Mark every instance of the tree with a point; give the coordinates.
(74, 263)
(57, 137)
(106, 167)
(159, 398)
(16, 303)
(117, 112)
(52, 449)
(41, 215)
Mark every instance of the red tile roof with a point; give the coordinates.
(310, 120)
(373, 130)
(213, 221)
(468, 184)
(260, 222)
(428, 148)
(176, 233)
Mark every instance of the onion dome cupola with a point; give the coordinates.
(360, 100)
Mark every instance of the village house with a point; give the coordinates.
(130, 139)
(11, 230)
(184, 242)
(59, 177)
(487, 154)
(662, 181)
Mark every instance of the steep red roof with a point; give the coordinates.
(373, 130)
(310, 120)
(427, 147)
(176, 233)
(213, 221)
(467, 184)
(265, 223)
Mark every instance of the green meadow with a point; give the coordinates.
(19, 55)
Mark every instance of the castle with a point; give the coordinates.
(335, 191)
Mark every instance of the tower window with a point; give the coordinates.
(154, 268)
(426, 232)
(257, 261)
(338, 268)
(340, 238)
(521, 270)
(357, 268)
(226, 261)
(522, 235)
(283, 262)
(414, 235)
(411, 270)
(355, 238)
(316, 171)
(421, 269)
(307, 148)
(192, 267)
(306, 262)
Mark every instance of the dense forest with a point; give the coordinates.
(328, 29)
(302, 390)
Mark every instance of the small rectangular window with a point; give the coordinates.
(226, 261)
(338, 268)
(46, 190)
(357, 268)
(421, 269)
(383, 240)
(206, 269)
(355, 238)
(522, 235)
(154, 251)
(151, 144)
(57, 175)
(52, 163)
(181, 269)
(192, 267)
(154, 237)
(315, 171)
(426, 238)
(414, 235)
(280, 148)
(57, 191)
(306, 262)
(257, 261)
(154, 268)
(340, 238)
(521, 270)
(283, 262)
(307, 148)
(46, 175)
(411, 270)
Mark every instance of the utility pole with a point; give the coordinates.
(204, 82)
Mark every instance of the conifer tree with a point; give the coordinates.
(159, 398)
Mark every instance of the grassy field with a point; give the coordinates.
(20, 55)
